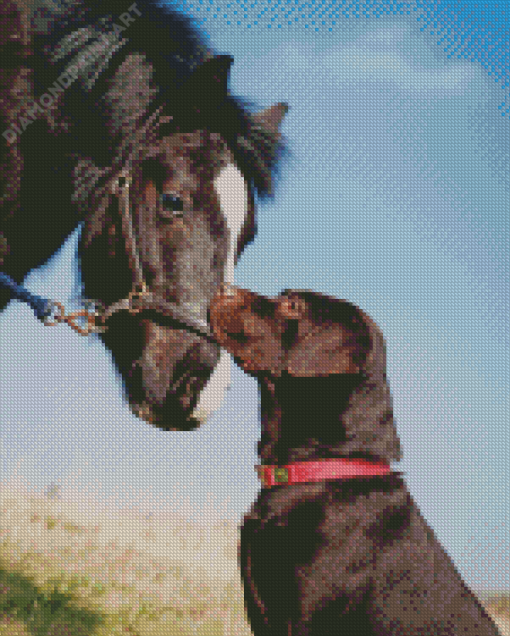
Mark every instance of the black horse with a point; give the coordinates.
(118, 115)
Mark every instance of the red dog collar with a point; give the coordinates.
(335, 468)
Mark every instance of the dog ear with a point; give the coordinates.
(369, 421)
(326, 350)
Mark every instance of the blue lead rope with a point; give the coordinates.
(41, 306)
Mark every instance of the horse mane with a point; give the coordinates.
(99, 104)
(49, 174)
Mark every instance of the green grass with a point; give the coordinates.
(498, 606)
(75, 571)
(68, 569)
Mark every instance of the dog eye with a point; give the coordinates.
(171, 204)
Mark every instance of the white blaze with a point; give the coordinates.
(233, 197)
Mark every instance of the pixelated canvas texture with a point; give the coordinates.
(373, 168)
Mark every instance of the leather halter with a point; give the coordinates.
(140, 298)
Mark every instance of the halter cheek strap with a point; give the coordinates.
(140, 298)
(121, 189)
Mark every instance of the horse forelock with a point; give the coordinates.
(201, 156)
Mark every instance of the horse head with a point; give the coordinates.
(127, 124)
(192, 211)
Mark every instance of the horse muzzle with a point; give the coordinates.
(165, 383)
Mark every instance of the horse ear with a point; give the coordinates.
(271, 118)
(210, 78)
(327, 350)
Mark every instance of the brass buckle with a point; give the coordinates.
(92, 315)
(135, 298)
(281, 474)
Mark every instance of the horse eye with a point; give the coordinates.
(171, 203)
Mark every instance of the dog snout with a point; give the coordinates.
(227, 289)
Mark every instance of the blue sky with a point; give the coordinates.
(396, 198)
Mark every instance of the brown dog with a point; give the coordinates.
(334, 544)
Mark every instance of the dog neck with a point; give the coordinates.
(305, 418)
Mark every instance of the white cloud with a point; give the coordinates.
(394, 55)
(387, 55)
